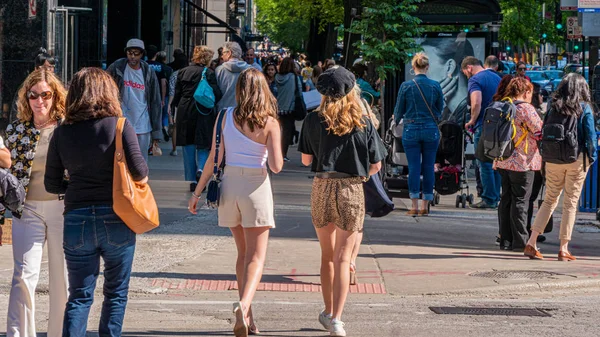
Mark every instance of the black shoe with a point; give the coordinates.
(286, 159)
(541, 238)
(296, 135)
(497, 240)
(483, 205)
(506, 245)
(198, 175)
(166, 135)
(193, 187)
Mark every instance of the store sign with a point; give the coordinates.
(32, 8)
(568, 5)
(588, 6)
(574, 31)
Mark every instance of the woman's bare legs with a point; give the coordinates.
(344, 242)
(326, 237)
(252, 246)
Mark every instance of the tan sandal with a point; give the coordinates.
(240, 329)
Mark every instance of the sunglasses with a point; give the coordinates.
(522, 68)
(134, 52)
(45, 95)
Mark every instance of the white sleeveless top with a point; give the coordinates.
(240, 150)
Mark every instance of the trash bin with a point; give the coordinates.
(590, 197)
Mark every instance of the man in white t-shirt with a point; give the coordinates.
(140, 94)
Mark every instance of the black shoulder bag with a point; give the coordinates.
(299, 104)
(213, 191)
(377, 203)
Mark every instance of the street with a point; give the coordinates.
(183, 276)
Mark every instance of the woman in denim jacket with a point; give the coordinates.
(420, 104)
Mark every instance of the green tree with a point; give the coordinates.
(288, 21)
(523, 24)
(389, 32)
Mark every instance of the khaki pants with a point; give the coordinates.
(559, 177)
(42, 222)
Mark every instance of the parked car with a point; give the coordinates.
(555, 77)
(509, 67)
(541, 79)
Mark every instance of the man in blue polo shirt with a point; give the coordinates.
(482, 87)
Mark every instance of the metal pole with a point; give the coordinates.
(542, 47)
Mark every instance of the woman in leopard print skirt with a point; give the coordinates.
(343, 149)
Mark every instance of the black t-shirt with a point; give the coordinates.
(351, 153)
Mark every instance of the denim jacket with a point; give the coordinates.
(586, 134)
(410, 105)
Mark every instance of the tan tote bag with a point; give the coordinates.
(134, 203)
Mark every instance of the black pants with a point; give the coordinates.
(288, 127)
(538, 182)
(512, 210)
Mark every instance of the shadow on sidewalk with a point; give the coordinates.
(454, 255)
(266, 278)
(216, 333)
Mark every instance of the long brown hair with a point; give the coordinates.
(518, 86)
(93, 94)
(501, 91)
(342, 115)
(255, 100)
(24, 112)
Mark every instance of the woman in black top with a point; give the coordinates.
(193, 122)
(344, 149)
(84, 147)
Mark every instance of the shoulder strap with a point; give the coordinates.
(119, 139)
(218, 135)
(426, 103)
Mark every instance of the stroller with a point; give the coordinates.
(451, 171)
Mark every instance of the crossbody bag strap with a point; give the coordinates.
(218, 136)
(426, 103)
(119, 139)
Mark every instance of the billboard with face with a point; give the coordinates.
(446, 52)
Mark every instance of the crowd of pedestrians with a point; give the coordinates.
(62, 149)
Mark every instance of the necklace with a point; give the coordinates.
(41, 126)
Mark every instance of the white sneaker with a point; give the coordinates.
(337, 328)
(325, 320)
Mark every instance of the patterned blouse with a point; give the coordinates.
(21, 141)
(526, 156)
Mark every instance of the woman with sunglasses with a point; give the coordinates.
(521, 69)
(41, 107)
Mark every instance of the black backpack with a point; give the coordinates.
(559, 144)
(499, 130)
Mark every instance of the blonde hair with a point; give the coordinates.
(59, 95)
(342, 115)
(202, 55)
(420, 61)
(255, 100)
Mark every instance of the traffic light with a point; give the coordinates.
(466, 30)
(237, 8)
(576, 47)
(507, 48)
(559, 26)
(544, 36)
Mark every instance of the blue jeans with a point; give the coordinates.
(490, 178)
(90, 233)
(144, 140)
(420, 145)
(193, 161)
(165, 113)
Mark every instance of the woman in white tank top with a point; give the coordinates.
(252, 138)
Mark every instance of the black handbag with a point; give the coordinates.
(377, 203)
(299, 112)
(213, 191)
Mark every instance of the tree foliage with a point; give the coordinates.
(287, 21)
(389, 32)
(523, 24)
